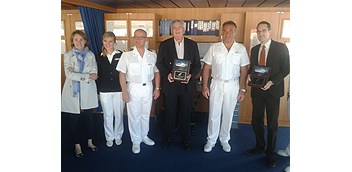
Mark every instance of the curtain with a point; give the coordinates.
(94, 27)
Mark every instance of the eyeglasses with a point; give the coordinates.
(139, 37)
(262, 31)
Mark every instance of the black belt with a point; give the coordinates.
(143, 84)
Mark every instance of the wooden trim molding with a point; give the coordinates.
(90, 5)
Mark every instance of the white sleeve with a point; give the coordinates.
(209, 55)
(122, 65)
(155, 67)
(244, 59)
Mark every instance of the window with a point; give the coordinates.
(79, 25)
(121, 45)
(118, 27)
(62, 28)
(63, 45)
(286, 30)
(145, 25)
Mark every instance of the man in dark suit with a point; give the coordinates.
(178, 47)
(272, 54)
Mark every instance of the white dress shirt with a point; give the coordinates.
(267, 46)
(180, 49)
(226, 65)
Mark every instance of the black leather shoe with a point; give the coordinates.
(166, 144)
(271, 161)
(187, 146)
(80, 155)
(93, 149)
(254, 151)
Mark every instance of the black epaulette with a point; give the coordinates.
(151, 50)
(128, 50)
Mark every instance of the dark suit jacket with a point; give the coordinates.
(108, 76)
(167, 54)
(278, 59)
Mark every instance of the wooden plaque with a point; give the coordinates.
(259, 76)
(180, 70)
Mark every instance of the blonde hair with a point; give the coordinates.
(107, 35)
(84, 36)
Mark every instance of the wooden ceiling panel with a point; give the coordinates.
(183, 3)
(235, 3)
(217, 3)
(284, 4)
(166, 4)
(149, 3)
(133, 3)
(253, 3)
(272, 3)
(66, 6)
(112, 3)
(200, 3)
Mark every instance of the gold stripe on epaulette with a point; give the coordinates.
(128, 50)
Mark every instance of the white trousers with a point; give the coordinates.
(112, 105)
(222, 100)
(138, 110)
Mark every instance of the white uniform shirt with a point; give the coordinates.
(136, 68)
(267, 46)
(226, 64)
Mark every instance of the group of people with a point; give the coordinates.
(115, 78)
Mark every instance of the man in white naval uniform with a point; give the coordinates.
(137, 67)
(229, 61)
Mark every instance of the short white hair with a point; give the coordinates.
(178, 21)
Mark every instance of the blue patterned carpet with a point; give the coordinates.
(174, 158)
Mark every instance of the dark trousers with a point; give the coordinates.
(186, 103)
(87, 117)
(261, 102)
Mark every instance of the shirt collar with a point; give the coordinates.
(267, 44)
(234, 44)
(183, 40)
(113, 53)
(135, 51)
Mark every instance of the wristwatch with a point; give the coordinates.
(158, 88)
(244, 90)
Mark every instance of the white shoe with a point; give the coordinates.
(208, 147)
(118, 142)
(136, 148)
(287, 169)
(148, 141)
(226, 147)
(109, 143)
(283, 153)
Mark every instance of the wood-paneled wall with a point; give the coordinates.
(252, 16)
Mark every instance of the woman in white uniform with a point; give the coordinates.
(109, 90)
(79, 91)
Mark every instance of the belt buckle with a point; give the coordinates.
(144, 84)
